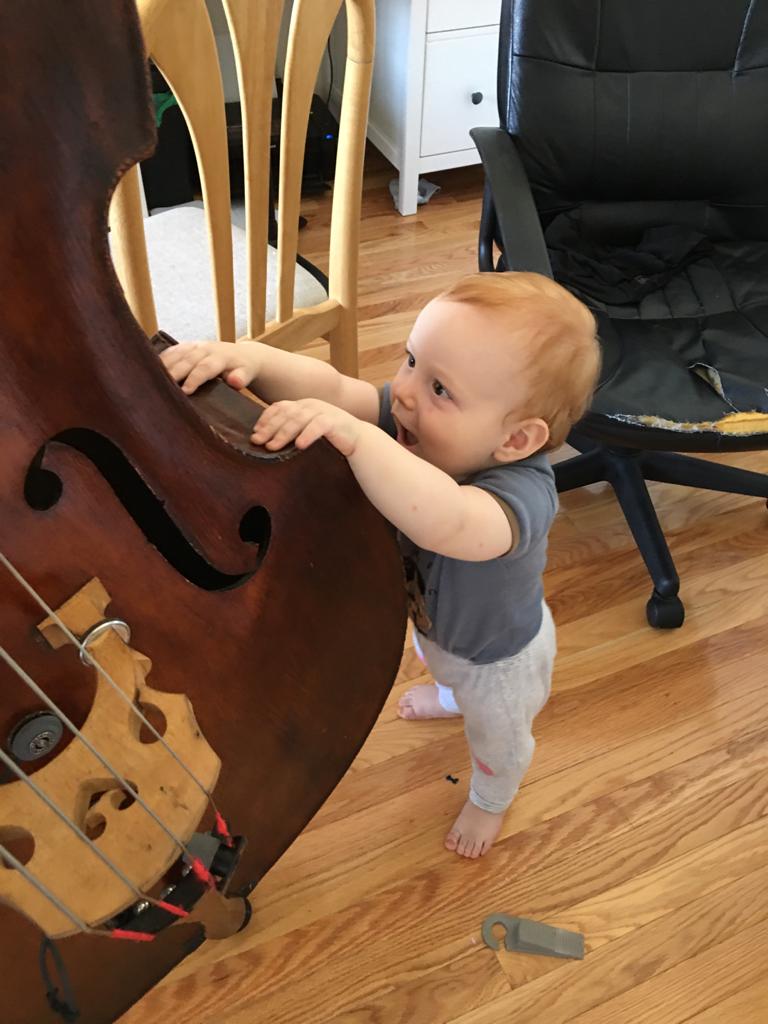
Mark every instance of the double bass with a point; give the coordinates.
(196, 634)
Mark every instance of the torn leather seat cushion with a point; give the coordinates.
(682, 318)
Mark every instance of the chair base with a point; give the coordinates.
(626, 470)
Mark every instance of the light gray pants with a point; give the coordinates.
(499, 702)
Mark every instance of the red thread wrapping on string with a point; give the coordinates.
(121, 933)
(178, 911)
(202, 873)
(222, 829)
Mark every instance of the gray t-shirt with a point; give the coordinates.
(485, 611)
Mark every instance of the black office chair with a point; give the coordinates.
(633, 162)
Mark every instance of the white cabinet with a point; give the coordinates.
(434, 78)
(459, 88)
(444, 15)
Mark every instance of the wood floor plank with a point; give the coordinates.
(615, 968)
(716, 603)
(695, 984)
(704, 873)
(587, 575)
(459, 977)
(747, 1006)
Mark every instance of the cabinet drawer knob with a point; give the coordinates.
(477, 97)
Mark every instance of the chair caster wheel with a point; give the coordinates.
(665, 612)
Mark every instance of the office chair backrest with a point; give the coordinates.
(637, 100)
(179, 39)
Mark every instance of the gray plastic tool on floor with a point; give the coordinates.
(524, 936)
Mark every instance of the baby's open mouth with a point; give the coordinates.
(404, 436)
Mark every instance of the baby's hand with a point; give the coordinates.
(200, 361)
(305, 422)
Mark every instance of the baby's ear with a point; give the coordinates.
(525, 438)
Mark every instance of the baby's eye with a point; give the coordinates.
(440, 390)
(411, 360)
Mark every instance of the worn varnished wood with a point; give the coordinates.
(261, 655)
(643, 818)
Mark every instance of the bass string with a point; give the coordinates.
(82, 926)
(103, 673)
(74, 827)
(43, 889)
(32, 685)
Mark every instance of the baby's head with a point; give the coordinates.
(497, 368)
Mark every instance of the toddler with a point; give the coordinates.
(453, 453)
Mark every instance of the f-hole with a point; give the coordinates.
(43, 489)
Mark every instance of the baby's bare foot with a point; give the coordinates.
(423, 702)
(473, 831)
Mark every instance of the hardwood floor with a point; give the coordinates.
(642, 821)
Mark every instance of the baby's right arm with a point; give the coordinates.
(276, 375)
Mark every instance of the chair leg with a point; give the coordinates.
(668, 468)
(625, 474)
(343, 343)
(588, 468)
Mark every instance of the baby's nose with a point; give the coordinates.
(403, 395)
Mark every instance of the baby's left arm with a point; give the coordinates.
(422, 501)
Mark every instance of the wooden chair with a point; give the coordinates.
(180, 41)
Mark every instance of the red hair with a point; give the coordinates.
(560, 333)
